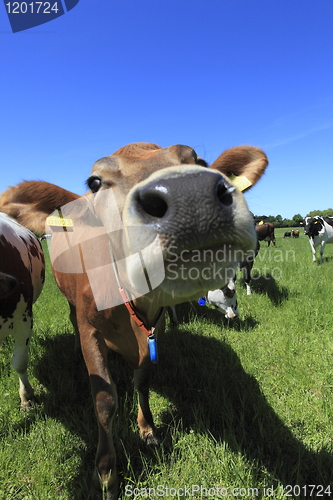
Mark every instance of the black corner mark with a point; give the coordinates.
(28, 14)
(70, 4)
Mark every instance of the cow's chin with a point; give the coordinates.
(186, 276)
(191, 280)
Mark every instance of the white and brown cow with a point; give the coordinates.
(22, 273)
(148, 209)
(320, 231)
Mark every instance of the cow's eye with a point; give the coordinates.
(94, 183)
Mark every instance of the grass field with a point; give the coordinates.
(244, 409)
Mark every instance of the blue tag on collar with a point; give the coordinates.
(202, 301)
(152, 344)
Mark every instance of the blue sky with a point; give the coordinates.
(210, 74)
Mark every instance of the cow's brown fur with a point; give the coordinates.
(137, 149)
(265, 232)
(232, 161)
(30, 202)
(113, 328)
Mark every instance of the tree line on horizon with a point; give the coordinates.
(296, 221)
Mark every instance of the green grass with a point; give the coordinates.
(245, 405)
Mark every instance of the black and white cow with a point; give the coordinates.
(287, 234)
(320, 231)
(22, 273)
(224, 299)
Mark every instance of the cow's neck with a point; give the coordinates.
(147, 311)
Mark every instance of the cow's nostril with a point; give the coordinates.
(223, 193)
(153, 204)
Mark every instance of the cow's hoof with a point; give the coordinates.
(151, 440)
(103, 495)
(29, 404)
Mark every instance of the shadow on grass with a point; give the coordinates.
(268, 285)
(210, 392)
(325, 259)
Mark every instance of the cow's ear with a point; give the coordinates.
(244, 165)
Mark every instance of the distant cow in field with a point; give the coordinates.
(265, 232)
(287, 234)
(22, 273)
(148, 210)
(295, 234)
(320, 231)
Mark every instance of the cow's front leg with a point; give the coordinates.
(145, 418)
(105, 479)
(313, 249)
(20, 361)
(322, 248)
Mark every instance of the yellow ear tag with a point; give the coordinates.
(59, 222)
(241, 182)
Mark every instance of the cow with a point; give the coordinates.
(224, 299)
(148, 210)
(320, 231)
(295, 234)
(265, 232)
(246, 266)
(287, 234)
(22, 273)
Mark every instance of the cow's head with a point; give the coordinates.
(174, 225)
(225, 300)
(312, 226)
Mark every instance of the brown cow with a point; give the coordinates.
(265, 232)
(295, 233)
(174, 206)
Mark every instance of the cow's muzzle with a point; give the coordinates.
(192, 222)
(156, 199)
(187, 207)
